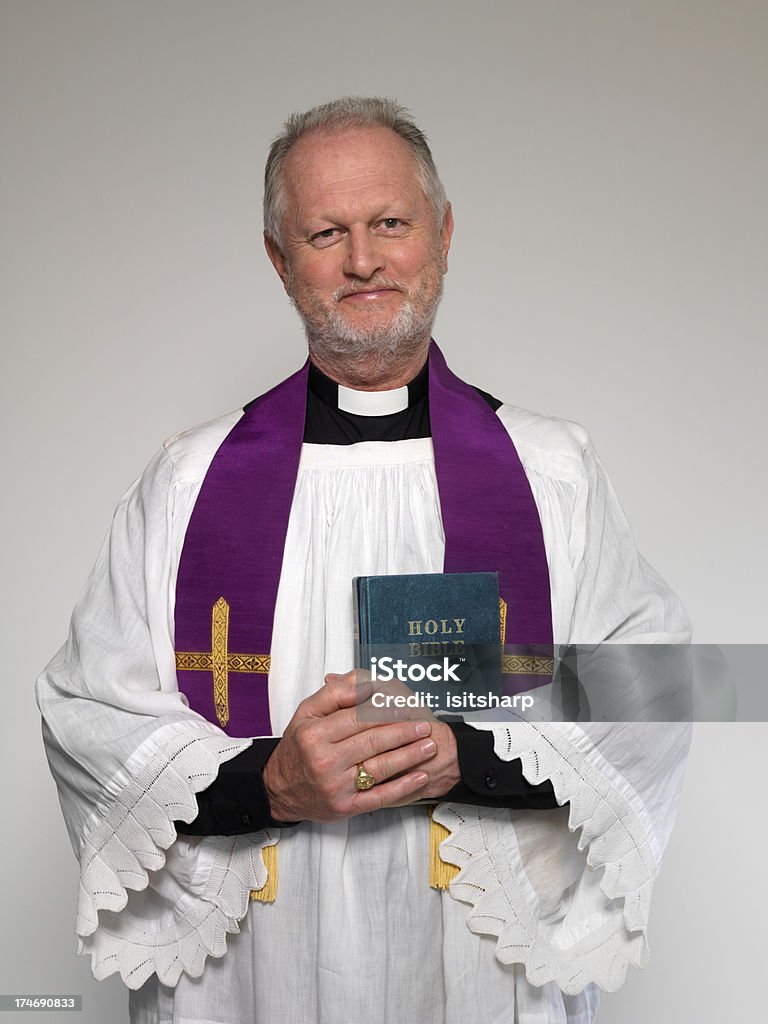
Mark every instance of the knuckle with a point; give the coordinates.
(322, 763)
(384, 767)
(340, 684)
(303, 710)
(311, 738)
(326, 790)
(308, 731)
(371, 743)
(301, 732)
(409, 732)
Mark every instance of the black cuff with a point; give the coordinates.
(488, 781)
(236, 802)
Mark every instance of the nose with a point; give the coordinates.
(364, 255)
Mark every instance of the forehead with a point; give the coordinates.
(350, 167)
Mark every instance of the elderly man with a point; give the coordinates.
(250, 848)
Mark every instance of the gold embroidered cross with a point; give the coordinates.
(219, 661)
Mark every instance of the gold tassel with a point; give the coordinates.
(268, 892)
(441, 873)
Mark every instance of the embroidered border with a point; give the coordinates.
(201, 661)
(527, 665)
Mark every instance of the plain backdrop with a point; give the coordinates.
(607, 164)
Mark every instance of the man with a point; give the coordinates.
(233, 558)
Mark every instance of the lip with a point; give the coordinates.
(371, 296)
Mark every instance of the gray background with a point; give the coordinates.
(607, 164)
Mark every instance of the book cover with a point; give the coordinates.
(438, 634)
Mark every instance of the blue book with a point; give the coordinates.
(438, 634)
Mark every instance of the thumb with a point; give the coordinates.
(337, 692)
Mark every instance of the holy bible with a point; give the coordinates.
(435, 635)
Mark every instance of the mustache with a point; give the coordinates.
(376, 284)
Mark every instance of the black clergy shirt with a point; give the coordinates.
(237, 802)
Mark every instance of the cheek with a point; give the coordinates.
(416, 262)
(318, 276)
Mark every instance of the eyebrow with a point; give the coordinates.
(393, 209)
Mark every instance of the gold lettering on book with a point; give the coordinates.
(434, 648)
(434, 627)
(220, 662)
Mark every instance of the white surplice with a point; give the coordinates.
(356, 934)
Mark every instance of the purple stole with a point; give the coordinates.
(233, 549)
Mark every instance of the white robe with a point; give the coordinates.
(356, 934)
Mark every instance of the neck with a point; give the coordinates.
(377, 371)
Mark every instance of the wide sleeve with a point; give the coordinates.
(567, 891)
(128, 756)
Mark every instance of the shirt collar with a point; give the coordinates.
(367, 403)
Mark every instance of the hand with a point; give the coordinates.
(311, 772)
(442, 767)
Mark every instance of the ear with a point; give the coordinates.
(277, 258)
(446, 233)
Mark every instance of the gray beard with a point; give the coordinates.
(332, 340)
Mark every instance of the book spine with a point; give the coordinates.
(362, 624)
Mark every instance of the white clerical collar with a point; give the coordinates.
(368, 403)
(372, 403)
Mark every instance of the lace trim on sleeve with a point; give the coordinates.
(170, 924)
(609, 934)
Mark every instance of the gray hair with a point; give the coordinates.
(347, 112)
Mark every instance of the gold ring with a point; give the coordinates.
(363, 779)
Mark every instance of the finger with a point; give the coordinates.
(359, 675)
(381, 707)
(404, 759)
(393, 701)
(359, 678)
(371, 741)
(341, 731)
(402, 790)
(339, 691)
